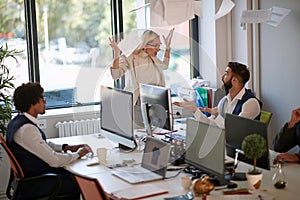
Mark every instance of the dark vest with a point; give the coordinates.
(30, 163)
(238, 108)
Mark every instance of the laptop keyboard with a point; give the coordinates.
(136, 174)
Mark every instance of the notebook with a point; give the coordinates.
(154, 163)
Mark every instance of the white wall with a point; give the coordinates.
(207, 42)
(280, 64)
(239, 36)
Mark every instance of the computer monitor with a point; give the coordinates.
(237, 128)
(205, 149)
(156, 107)
(117, 116)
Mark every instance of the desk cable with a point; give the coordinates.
(179, 171)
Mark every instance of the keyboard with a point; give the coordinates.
(175, 136)
(136, 175)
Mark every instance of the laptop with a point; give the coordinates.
(154, 163)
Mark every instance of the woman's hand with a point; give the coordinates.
(114, 44)
(168, 39)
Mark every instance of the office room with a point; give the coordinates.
(65, 47)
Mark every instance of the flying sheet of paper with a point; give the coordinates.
(224, 9)
(278, 14)
(256, 16)
(130, 42)
(198, 8)
(136, 9)
(170, 12)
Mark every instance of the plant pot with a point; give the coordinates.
(254, 181)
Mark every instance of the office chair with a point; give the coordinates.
(20, 187)
(90, 188)
(265, 116)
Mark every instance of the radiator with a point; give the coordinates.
(78, 127)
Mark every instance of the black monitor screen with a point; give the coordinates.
(237, 128)
(117, 115)
(159, 106)
(205, 147)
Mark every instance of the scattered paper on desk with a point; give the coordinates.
(256, 16)
(278, 14)
(139, 191)
(224, 9)
(186, 93)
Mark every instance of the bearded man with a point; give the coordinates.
(239, 100)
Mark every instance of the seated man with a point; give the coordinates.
(28, 142)
(287, 138)
(239, 100)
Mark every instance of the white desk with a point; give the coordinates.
(111, 183)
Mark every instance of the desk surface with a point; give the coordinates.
(111, 183)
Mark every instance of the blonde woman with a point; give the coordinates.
(141, 66)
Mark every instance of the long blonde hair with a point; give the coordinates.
(147, 37)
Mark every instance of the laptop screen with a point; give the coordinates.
(156, 155)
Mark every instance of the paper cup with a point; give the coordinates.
(103, 155)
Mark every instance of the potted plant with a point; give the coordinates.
(254, 146)
(6, 84)
(6, 87)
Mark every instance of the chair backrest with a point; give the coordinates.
(29, 188)
(265, 116)
(15, 166)
(90, 188)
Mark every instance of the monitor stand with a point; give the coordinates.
(220, 181)
(125, 148)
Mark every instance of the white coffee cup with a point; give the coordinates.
(186, 182)
(103, 154)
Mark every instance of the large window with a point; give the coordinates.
(73, 49)
(12, 34)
